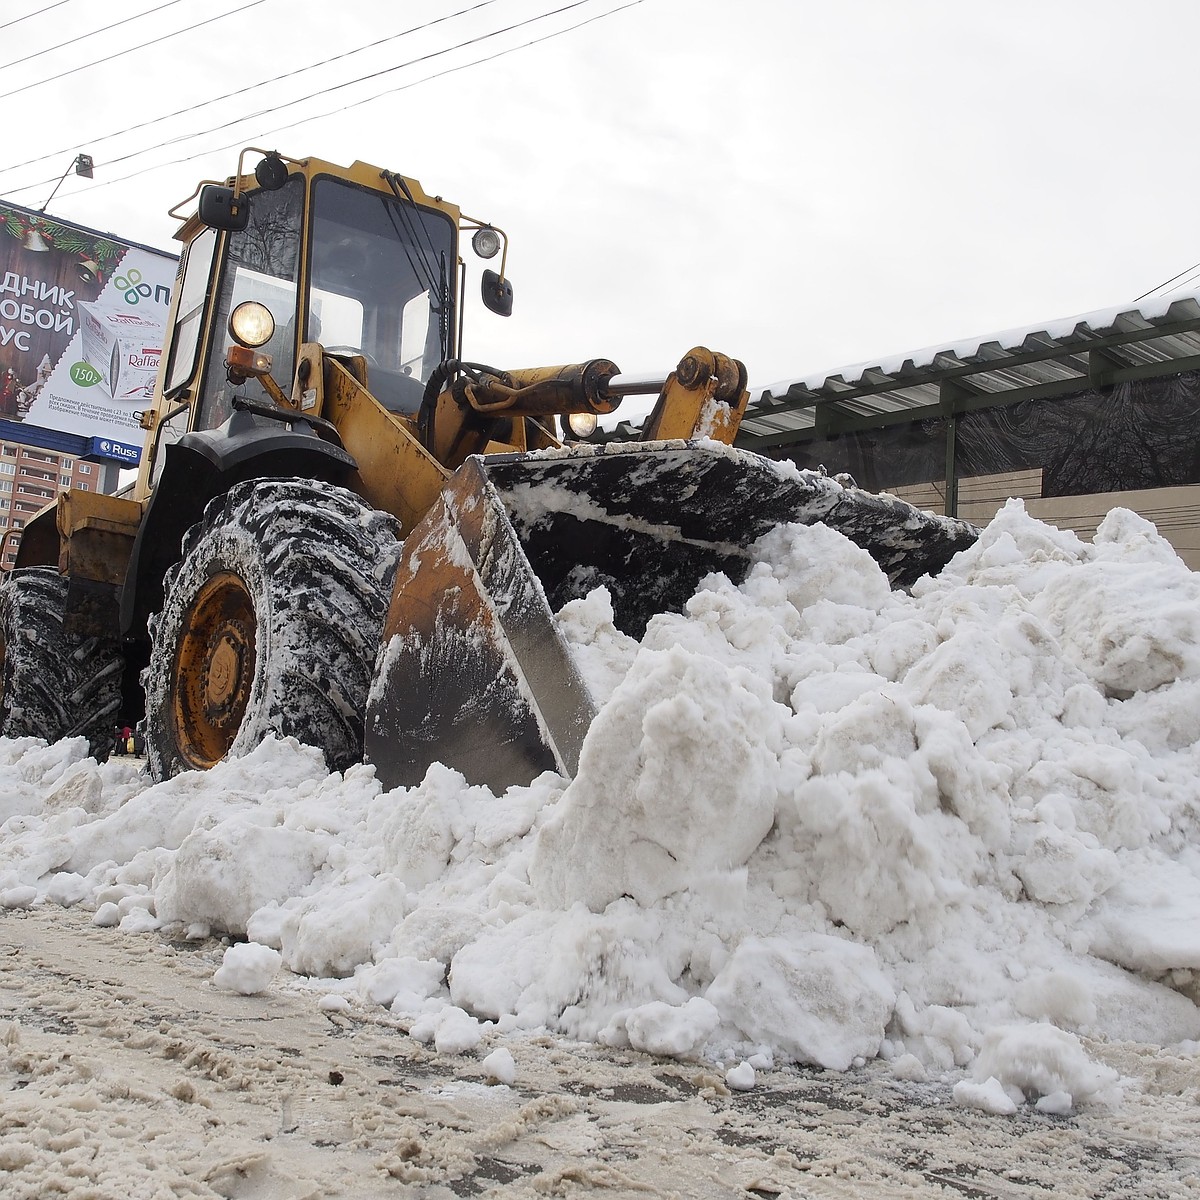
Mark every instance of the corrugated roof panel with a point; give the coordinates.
(798, 419)
(1179, 345)
(877, 378)
(1140, 354)
(1048, 371)
(922, 393)
(1056, 355)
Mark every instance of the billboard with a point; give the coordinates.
(82, 316)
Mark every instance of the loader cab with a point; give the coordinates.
(336, 257)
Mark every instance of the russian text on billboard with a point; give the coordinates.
(82, 316)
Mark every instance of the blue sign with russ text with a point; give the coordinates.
(110, 451)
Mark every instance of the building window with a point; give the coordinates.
(18, 523)
(9, 449)
(83, 487)
(65, 480)
(67, 463)
(85, 468)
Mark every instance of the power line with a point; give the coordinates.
(367, 100)
(1190, 279)
(95, 141)
(129, 50)
(462, 67)
(185, 137)
(83, 36)
(37, 12)
(1165, 282)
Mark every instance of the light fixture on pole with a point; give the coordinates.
(82, 166)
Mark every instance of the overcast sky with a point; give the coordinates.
(804, 185)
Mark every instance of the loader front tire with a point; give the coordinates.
(55, 684)
(270, 625)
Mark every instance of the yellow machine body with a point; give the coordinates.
(315, 333)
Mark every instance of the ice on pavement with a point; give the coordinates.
(815, 821)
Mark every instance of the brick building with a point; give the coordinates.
(30, 477)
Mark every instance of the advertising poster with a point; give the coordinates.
(82, 316)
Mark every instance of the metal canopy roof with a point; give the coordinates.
(1161, 336)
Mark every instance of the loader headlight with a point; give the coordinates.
(486, 242)
(251, 323)
(582, 424)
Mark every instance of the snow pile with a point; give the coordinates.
(814, 821)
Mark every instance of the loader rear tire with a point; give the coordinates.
(270, 625)
(55, 684)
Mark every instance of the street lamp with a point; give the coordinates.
(82, 166)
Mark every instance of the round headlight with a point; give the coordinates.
(582, 424)
(271, 173)
(486, 242)
(251, 323)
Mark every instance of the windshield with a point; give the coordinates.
(381, 285)
(260, 264)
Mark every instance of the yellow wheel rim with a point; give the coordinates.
(214, 670)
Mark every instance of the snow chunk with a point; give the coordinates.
(740, 1078)
(451, 1030)
(221, 876)
(1042, 1060)
(344, 924)
(247, 968)
(18, 897)
(1128, 626)
(599, 649)
(675, 780)
(674, 1030)
(991, 1096)
(500, 1066)
(818, 999)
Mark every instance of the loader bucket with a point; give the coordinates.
(473, 671)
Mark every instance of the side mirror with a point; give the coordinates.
(497, 294)
(220, 208)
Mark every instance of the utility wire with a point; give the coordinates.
(357, 103)
(462, 67)
(337, 87)
(37, 12)
(130, 49)
(185, 137)
(83, 36)
(95, 141)
(1166, 281)
(1190, 279)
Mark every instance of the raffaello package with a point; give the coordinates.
(124, 347)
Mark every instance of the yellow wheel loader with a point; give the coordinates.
(345, 532)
